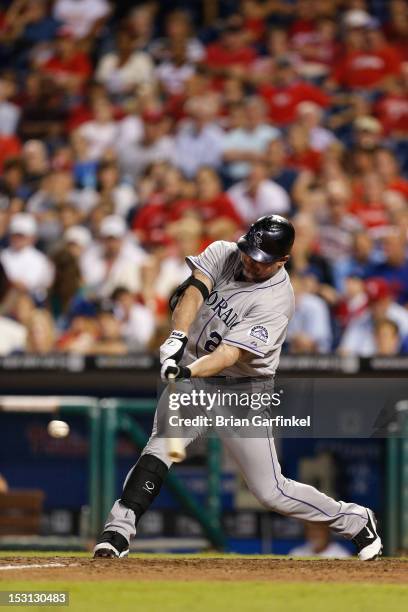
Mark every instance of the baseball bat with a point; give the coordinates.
(175, 446)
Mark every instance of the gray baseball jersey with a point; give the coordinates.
(251, 316)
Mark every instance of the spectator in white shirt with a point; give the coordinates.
(114, 261)
(153, 145)
(199, 140)
(337, 226)
(318, 544)
(9, 112)
(25, 266)
(77, 239)
(259, 124)
(310, 115)
(309, 329)
(249, 137)
(109, 189)
(82, 16)
(237, 153)
(257, 196)
(173, 73)
(57, 191)
(101, 132)
(360, 336)
(137, 321)
(124, 69)
(387, 338)
(130, 129)
(13, 336)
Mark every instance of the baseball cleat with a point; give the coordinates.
(111, 545)
(368, 542)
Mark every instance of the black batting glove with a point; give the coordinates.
(170, 368)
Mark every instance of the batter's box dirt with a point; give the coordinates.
(208, 569)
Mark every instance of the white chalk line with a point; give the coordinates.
(35, 565)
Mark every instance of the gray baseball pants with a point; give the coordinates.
(259, 465)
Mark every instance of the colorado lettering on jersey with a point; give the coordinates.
(219, 305)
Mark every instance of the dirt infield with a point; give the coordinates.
(391, 571)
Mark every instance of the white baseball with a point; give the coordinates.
(58, 429)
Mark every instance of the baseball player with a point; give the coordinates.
(230, 319)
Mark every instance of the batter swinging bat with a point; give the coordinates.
(175, 446)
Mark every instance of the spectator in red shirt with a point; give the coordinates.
(230, 55)
(10, 146)
(215, 206)
(392, 108)
(287, 91)
(370, 208)
(302, 31)
(353, 301)
(254, 13)
(319, 50)
(378, 44)
(368, 61)
(82, 112)
(302, 156)
(69, 67)
(396, 29)
(387, 167)
(167, 205)
(3, 21)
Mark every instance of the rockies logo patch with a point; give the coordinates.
(258, 239)
(260, 332)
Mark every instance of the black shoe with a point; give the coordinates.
(110, 545)
(368, 542)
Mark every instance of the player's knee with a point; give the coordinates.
(268, 500)
(157, 447)
(270, 497)
(143, 484)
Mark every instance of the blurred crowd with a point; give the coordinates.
(131, 136)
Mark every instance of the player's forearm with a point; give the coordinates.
(189, 304)
(210, 365)
(186, 310)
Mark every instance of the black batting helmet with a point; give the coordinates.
(268, 239)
